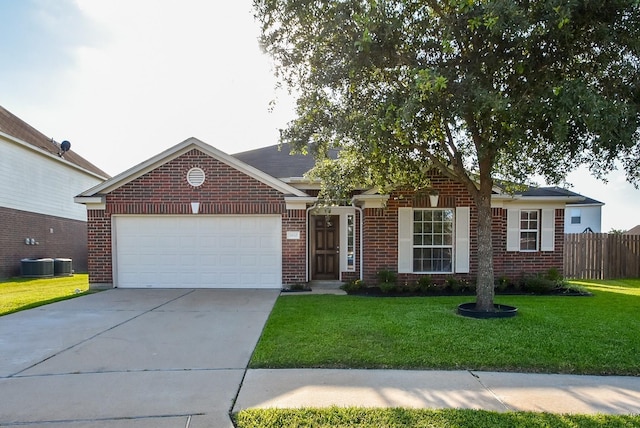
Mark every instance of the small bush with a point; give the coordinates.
(387, 276)
(413, 287)
(387, 287)
(538, 284)
(502, 283)
(453, 284)
(353, 285)
(467, 286)
(425, 284)
(554, 275)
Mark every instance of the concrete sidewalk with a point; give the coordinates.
(292, 388)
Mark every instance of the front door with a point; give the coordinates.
(325, 247)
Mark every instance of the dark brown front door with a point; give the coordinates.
(325, 247)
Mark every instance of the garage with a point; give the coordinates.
(210, 251)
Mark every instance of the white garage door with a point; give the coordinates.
(197, 251)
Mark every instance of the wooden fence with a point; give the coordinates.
(601, 256)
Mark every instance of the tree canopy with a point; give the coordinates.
(482, 90)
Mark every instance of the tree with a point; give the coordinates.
(481, 90)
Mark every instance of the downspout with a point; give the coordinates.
(306, 245)
(357, 208)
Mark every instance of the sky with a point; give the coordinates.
(123, 80)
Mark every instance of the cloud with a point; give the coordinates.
(163, 71)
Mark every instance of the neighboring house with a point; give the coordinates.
(38, 217)
(583, 216)
(193, 216)
(633, 231)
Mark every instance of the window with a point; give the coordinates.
(433, 240)
(529, 230)
(576, 216)
(351, 243)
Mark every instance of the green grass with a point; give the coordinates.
(578, 335)
(446, 418)
(17, 294)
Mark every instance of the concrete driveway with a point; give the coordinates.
(134, 358)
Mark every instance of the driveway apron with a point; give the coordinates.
(139, 358)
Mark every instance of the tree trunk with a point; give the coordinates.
(485, 285)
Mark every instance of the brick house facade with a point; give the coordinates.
(38, 216)
(402, 232)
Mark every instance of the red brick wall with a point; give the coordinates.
(381, 236)
(294, 262)
(512, 264)
(68, 240)
(165, 190)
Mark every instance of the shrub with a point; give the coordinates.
(425, 284)
(412, 287)
(387, 276)
(467, 286)
(453, 284)
(353, 285)
(387, 287)
(538, 284)
(554, 275)
(502, 283)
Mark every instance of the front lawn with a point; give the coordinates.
(17, 294)
(578, 335)
(446, 418)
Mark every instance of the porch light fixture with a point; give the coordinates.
(195, 207)
(433, 198)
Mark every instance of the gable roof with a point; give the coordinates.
(633, 231)
(13, 126)
(278, 161)
(559, 191)
(174, 152)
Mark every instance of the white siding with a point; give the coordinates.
(37, 183)
(590, 216)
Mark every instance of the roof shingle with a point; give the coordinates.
(12, 125)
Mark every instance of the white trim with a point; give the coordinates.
(177, 151)
(405, 240)
(343, 213)
(526, 202)
(370, 201)
(299, 202)
(513, 229)
(462, 242)
(547, 230)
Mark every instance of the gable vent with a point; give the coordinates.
(195, 177)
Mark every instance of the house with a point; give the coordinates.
(584, 216)
(193, 216)
(633, 231)
(37, 213)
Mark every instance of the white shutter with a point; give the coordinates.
(462, 239)
(513, 230)
(548, 230)
(405, 240)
